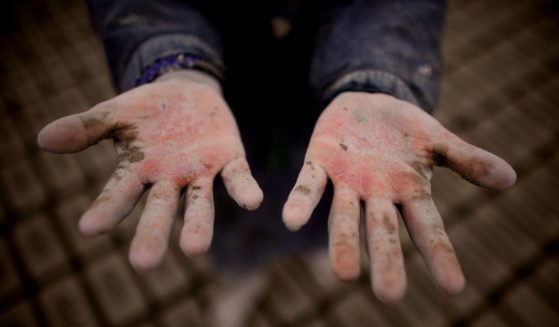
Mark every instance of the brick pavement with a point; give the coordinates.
(500, 91)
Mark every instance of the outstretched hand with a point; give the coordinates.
(381, 150)
(175, 133)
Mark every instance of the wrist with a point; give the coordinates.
(191, 76)
(369, 81)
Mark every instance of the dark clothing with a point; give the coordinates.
(274, 86)
(377, 45)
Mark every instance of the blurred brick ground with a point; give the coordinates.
(500, 91)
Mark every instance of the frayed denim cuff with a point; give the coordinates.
(372, 81)
(161, 46)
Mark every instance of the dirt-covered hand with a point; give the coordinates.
(174, 133)
(379, 150)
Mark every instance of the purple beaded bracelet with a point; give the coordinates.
(177, 62)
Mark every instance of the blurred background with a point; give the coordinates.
(500, 91)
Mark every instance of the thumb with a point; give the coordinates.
(76, 132)
(474, 164)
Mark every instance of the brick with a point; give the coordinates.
(40, 248)
(115, 290)
(357, 309)
(98, 162)
(549, 92)
(450, 190)
(61, 173)
(260, 320)
(287, 297)
(532, 198)
(516, 127)
(34, 114)
(547, 114)
(12, 148)
(147, 324)
(68, 213)
(20, 314)
(416, 308)
(23, 190)
(166, 280)
(316, 323)
(463, 34)
(482, 268)
(490, 319)
(421, 278)
(10, 282)
(185, 313)
(502, 238)
(548, 273)
(531, 308)
(127, 227)
(464, 302)
(65, 304)
(318, 265)
(541, 185)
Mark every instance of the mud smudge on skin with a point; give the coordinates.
(92, 123)
(213, 112)
(310, 165)
(389, 226)
(303, 189)
(97, 122)
(343, 146)
(126, 133)
(116, 175)
(439, 155)
(159, 196)
(421, 195)
(419, 167)
(131, 155)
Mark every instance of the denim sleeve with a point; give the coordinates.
(382, 46)
(137, 32)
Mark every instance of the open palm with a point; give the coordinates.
(175, 133)
(379, 150)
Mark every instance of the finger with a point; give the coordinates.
(474, 164)
(76, 132)
(305, 195)
(425, 226)
(197, 231)
(152, 234)
(388, 274)
(344, 233)
(118, 198)
(240, 184)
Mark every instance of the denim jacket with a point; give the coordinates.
(387, 46)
